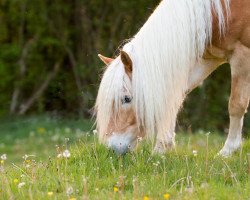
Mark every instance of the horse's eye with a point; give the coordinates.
(126, 99)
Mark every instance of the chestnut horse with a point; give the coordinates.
(179, 46)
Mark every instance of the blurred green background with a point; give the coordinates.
(49, 64)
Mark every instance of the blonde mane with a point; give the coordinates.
(163, 52)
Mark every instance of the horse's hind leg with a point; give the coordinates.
(239, 99)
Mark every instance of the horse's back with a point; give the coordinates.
(237, 26)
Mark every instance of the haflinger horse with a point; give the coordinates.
(180, 45)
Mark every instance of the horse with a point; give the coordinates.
(180, 45)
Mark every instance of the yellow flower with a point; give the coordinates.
(72, 198)
(2, 162)
(166, 196)
(16, 181)
(145, 198)
(116, 189)
(41, 130)
(27, 161)
(50, 193)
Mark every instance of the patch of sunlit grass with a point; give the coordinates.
(77, 167)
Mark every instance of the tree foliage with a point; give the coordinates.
(48, 57)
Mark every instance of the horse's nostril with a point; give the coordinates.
(120, 149)
(121, 143)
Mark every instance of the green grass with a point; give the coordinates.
(92, 171)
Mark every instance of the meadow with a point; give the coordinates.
(53, 158)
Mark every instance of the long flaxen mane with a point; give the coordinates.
(163, 52)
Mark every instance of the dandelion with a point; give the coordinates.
(27, 161)
(116, 189)
(50, 194)
(94, 132)
(41, 130)
(207, 134)
(195, 153)
(145, 198)
(4, 157)
(69, 190)
(59, 155)
(66, 153)
(166, 196)
(20, 185)
(15, 180)
(72, 198)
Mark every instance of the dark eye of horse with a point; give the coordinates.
(126, 99)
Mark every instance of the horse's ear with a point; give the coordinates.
(104, 59)
(126, 60)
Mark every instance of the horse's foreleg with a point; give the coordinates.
(199, 73)
(239, 99)
(167, 142)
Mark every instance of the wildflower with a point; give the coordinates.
(27, 161)
(41, 130)
(2, 162)
(72, 198)
(94, 132)
(50, 193)
(59, 155)
(66, 153)
(16, 181)
(166, 196)
(20, 185)
(69, 190)
(145, 198)
(207, 134)
(4, 157)
(195, 152)
(116, 189)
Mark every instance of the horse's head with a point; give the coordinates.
(116, 119)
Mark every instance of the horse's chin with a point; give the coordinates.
(122, 143)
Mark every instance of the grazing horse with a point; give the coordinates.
(181, 43)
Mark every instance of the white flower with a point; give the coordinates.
(4, 157)
(207, 134)
(66, 153)
(95, 132)
(195, 152)
(21, 184)
(59, 155)
(69, 190)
